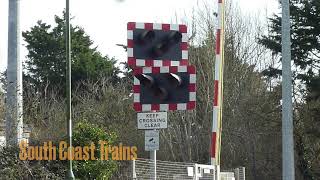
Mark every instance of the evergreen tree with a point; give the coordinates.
(46, 60)
(305, 48)
(305, 35)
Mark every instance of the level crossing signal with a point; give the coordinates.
(164, 88)
(156, 45)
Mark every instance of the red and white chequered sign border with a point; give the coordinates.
(164, 107)
(132, 61)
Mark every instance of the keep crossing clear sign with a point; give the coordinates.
(152, 120)
(151, 140)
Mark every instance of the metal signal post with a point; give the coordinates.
(287, 121)
(70, 174)
(14, 111)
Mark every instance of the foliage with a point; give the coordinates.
(101, 106)
(313, 89)
(251, 126)
(308, 135)
(305, 30)
(309, 142)
(305, 35)
(11, 167)
(46, 59)
(84, 134)
(251, 129)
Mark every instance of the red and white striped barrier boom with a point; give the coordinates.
(217, 99)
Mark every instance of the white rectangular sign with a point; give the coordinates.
(152, 120)
(206, 171)
(151, 140)
(190, 171)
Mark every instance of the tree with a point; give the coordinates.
(308, 131)
(45, 64)
(305, 30)
(251, 125)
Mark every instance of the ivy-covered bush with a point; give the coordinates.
(11, 167)
(85, 134)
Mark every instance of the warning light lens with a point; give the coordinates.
(174, 80)
(145, 80)
(174, 37)
(160, 49)
(161, 93)
(146, 36)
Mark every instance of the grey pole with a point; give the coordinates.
(70, 174)
(153, 157)
(14, 122)
(287, 121)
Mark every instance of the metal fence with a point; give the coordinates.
(167, 170)
(240, 173)
(227, 176)
(141, 169)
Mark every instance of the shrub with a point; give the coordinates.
(11, 167)
(84, 134)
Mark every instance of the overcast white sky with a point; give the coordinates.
(105, 20)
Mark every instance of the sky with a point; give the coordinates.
(105, 20)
